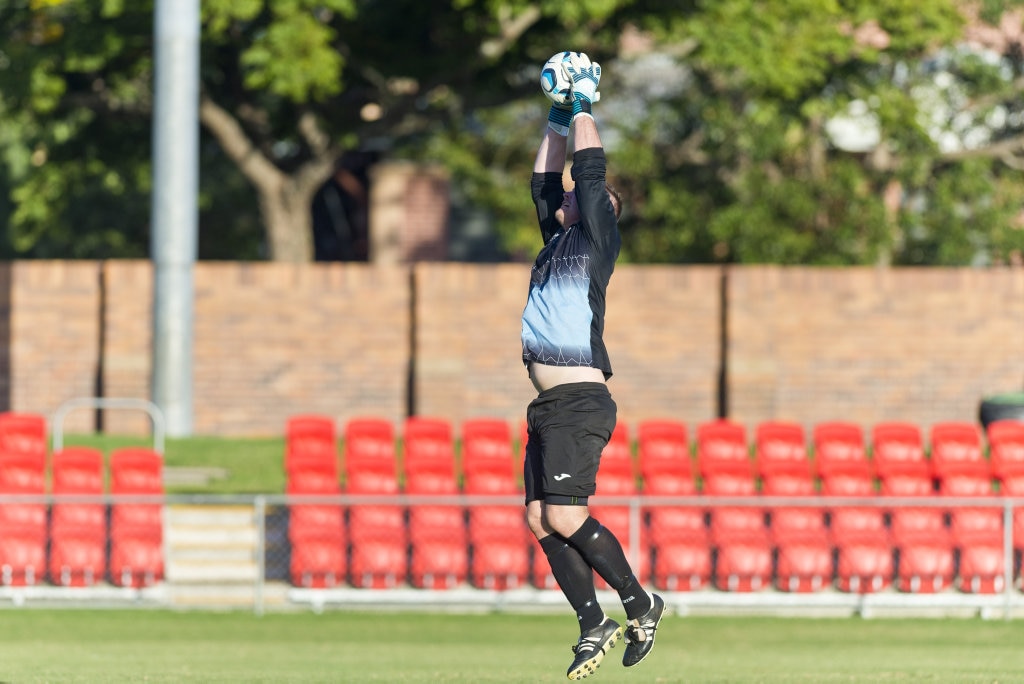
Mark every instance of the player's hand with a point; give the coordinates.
(559, 118)
(585, 76)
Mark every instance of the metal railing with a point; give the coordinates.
(248, 536)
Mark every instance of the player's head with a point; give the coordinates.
(569, 212)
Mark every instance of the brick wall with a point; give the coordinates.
(868, 345)
(273, 340)
(54, 334)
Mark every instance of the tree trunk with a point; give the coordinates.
(285, 200)
(285, 208)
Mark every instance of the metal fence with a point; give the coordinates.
(704, 554)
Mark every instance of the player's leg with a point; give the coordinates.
(586, 421)
(575, 577)
(598, 633)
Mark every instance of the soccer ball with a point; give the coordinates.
(553, 80)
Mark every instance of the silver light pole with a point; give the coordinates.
(174, 218)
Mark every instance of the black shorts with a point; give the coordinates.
(569, 426)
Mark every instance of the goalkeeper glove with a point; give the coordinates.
(559, 118)
(585, 77)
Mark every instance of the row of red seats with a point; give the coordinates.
(680, 542)
(67, 543)
(681, 548)
(956, 461)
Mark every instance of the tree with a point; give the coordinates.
(286, 88)
(725, 120)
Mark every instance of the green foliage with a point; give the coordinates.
(726, 156)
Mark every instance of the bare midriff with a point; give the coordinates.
(545, 377)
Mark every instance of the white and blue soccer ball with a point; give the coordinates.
(553, 80)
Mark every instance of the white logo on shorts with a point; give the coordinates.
(559, 478)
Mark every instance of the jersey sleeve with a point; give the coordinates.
(547, 190)
(589, 171)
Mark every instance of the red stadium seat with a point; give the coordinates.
(309, 474)
(439, 565)
(676, 524)
(77, 470)
(743, 565)
(78, 530)
(371, 465)
(847, 484)
(317, 562)
(1006, 448)
(615, 483)
(791, 525)
(682, 565)
(663, 451)
(912, 525)
(794, 523)
(729, 524)
(973, 526)
(316, 521)
(23, 475)
(722, 449)
(311, 436)
(136, 528)
(780, 448)
(852, 524)
(22, 559)
(23, 433)
(488, 456)
(898, 449)
(369, 439)
(136, 470)
(136, 561)
(784, 484)
(77, 558)
(864, 566)
(963, 484)
(500, 565)
(368, 522)
(496, 523)
(839, 450)
(925, 567)
(428, 446)
(491, 483)
(981, 569)
(667, 471)
(434, 522)
(803, 565)
(317, 537)
(908, 484)
(957, 450)
(378, 563)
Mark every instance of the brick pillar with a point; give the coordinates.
(409, 206)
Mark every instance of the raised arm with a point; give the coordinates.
(585, 133)
(551, 153)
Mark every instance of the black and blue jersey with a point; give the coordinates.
(563, 321)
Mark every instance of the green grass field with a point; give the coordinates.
(159, 646)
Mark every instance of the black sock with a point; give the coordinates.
(603, 552)
(576, 580)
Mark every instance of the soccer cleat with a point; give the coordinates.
(640, 633)
(592, 647)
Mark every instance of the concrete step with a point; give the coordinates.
(272, 595)
(215, 572)
(222, 516)
(211, 537)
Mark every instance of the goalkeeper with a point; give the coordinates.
(572, 418)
